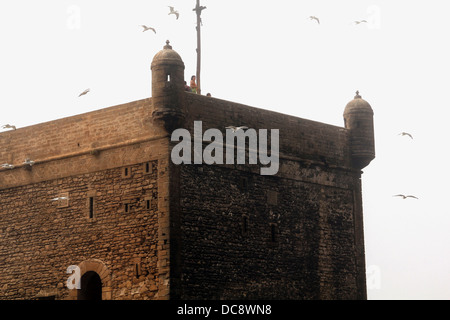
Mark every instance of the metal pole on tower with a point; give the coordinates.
(198, 10)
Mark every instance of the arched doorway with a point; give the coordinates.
(95, 282)
(91, 287)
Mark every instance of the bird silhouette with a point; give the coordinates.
(8, 126)
(28, 162)
(7, 166)
(405, 134)
(360, 21)
(173, 11)
(148, 28)
(59, 198)
(404, 197)
(236, 128)
(315, 18)
(84, 92)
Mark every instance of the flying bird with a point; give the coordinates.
(59, 198)
(360, 21)
(28, 162)
(405, 134)
(148, 28)
(8, 126)
(404, 197)
(7, 166)
(315, 18)
(237, 128)
(84, 92)
(173, 11)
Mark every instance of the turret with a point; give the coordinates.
(167, 88)
(358, 118)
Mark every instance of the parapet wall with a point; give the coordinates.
(82, 138)
(301, 138)
(78, 133)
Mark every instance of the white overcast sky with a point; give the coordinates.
(269, 54)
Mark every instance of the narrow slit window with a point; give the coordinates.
(147, 204)
(137, 270)
(126, 172)
(126, 207)
(147, 167)
(91, 207)
(243, 183)
(244, 225)
(168, 78)
(273, 233)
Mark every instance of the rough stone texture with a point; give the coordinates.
(209, 231)
(358, 118)
(39, 240)
(85, 156)
(312, 204)
(82, 133)
(229, 251)
(302, 138)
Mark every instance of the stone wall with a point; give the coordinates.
(77, 134)
(294, 235)
(40, 238)
(211, 232)
(247, 236)
(86, 156)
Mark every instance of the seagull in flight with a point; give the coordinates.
(404, 197)
(148, 28)
(173, 11)
(7, 166)
(405, 134)
(28, 162)
(8, 126)
(360, 21)
(84, 92)
(237, 128)
(59, 198)
(315, 18)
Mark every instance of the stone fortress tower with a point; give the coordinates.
(138, 226)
